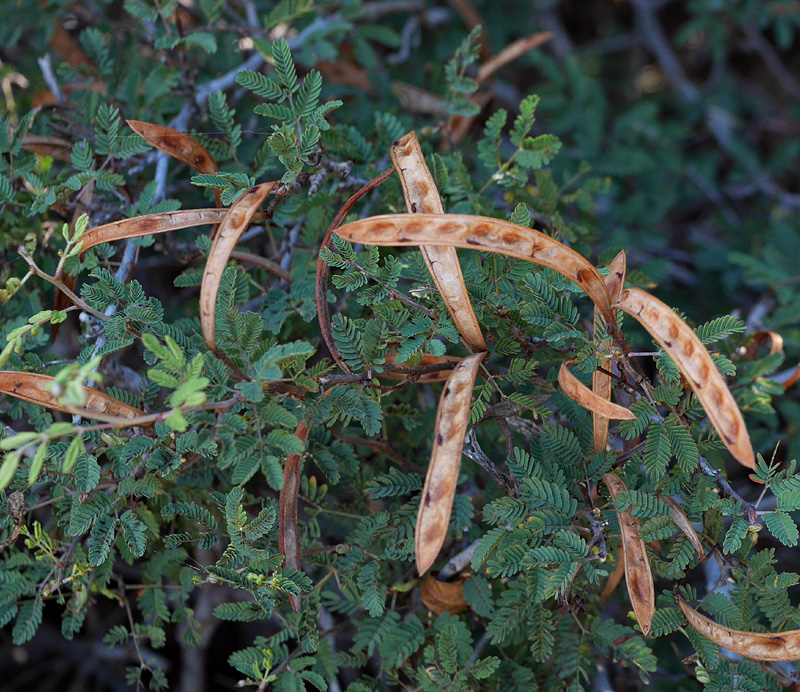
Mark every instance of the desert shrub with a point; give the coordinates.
(198, 496)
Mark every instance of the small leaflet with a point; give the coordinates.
(766, 646)
(638, 577)
(32, 387)
(230, 230)
(422, 197)
(695, 363)
(482, 233)
(579, 392)
(179, 146)
(439, 490)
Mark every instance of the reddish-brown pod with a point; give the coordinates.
(638, 576)
(695, 363)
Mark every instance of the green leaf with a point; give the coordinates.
(782, 526)
(87, 473)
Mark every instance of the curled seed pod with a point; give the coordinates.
(682, 522)
(694, 361)
(579, 392)
(439, 490)
(422, 197)
(33, 387)
(230, 230)
(482, 233)
(637, 568)
(760, 646)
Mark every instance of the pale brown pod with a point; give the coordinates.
(230, 230)
(439, 490)
(288, 532)
(695, 363)
(760, 646)
(45, 145)
(31, 387)
(150, 224)
(422, 197)
(638, 577)
(682, 522)
(482, 233)
(601, 380)
(510, 53)
(579, 392)
(178, 145)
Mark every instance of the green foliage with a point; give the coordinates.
(146, 536)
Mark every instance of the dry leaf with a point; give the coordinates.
(577, 391)
(440, 596)
(179, 146)
(781, 646)
(510, 53)
(694, 361)
(482, 233)
(151, 224)
(601, 380)
(682, 522)
(422, 197)
(44, 145)
(415, 99)
(288, 533)
(637, 569)
(439, 491)
(230, 230)
(31, 387)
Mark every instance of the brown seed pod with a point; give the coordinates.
(579, 392)
(637, 569)
(695, 363)
(288, 533)
(614, 578)
(151, 224)
(601, 381)
(421, 196)
(482, 233)
(766, 646)
(31, 387)
(682, 522)
(452, 419)
(179, 146)
(230, 230)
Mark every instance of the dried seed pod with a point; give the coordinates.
(452, 418)
(637, 569)
(421, 196)
(759, 338)
(694, 361)
(601, 381)
(482, 233)
(178, 145)
(230, 230)
(288, 533)
(31, 387)
(614, 578)
(682, 522)
(579, 392)
(766, 646)
(151, 224)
